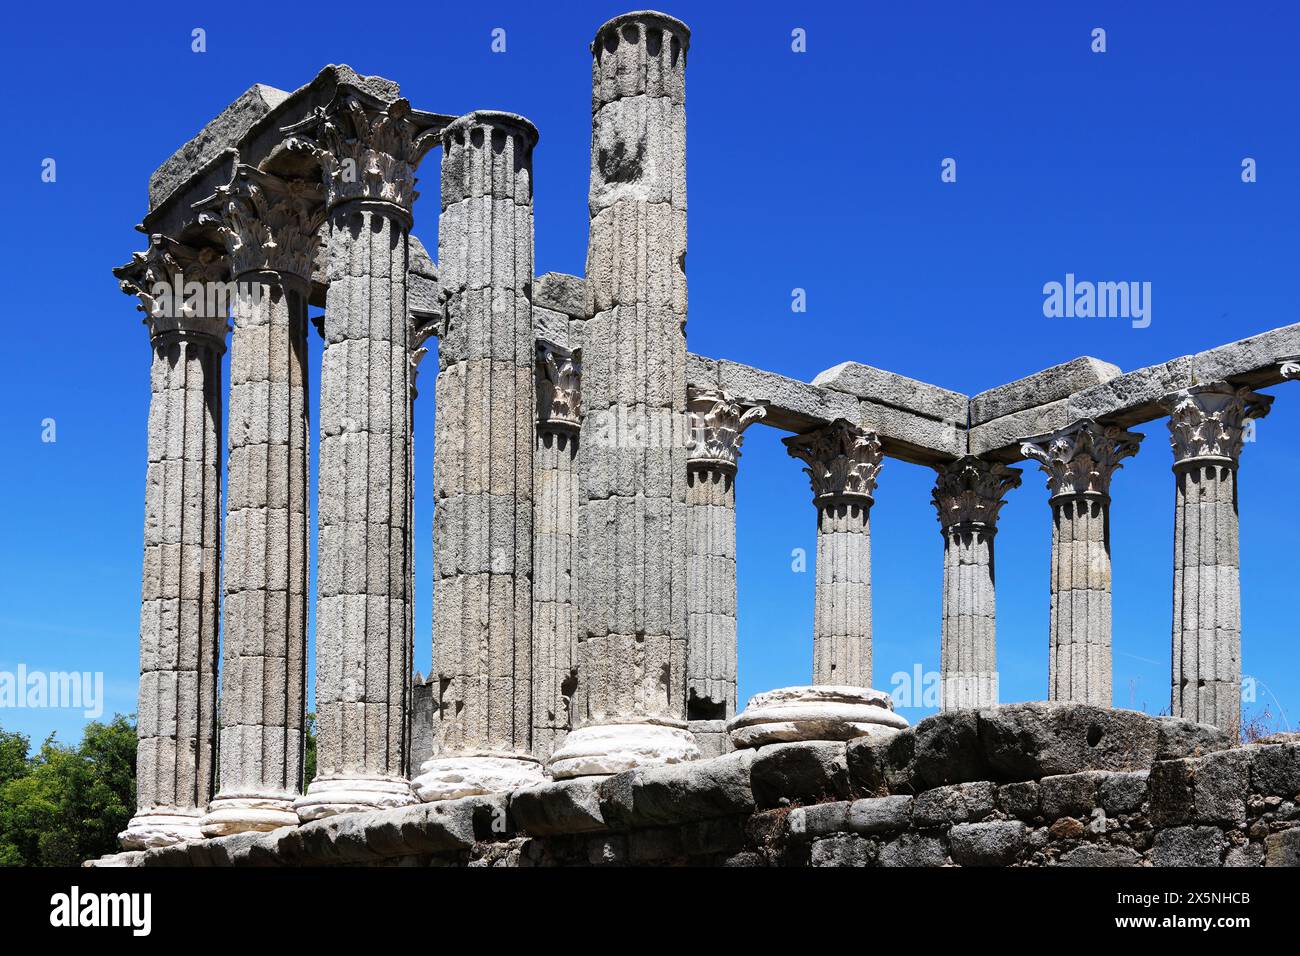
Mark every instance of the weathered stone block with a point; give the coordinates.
(1100, 855)
(1071, 795)
(889, 388)
(1210, 789)
(1049, 385)
(1275, 770)
(843, 849)
(1124, 792)
(947, 750)
(953, 804)
(1188, 846)
(1020, 800)
(800, 772)
(994, 843)
(879, 765)
(818, 820)
(1283, 849)
(876, 815)
(913, 849)
(1033, 740)
(679, 793)
(565, 806)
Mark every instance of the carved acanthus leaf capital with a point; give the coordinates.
(173, 282)
(843, 461)
(970, 491)
(1080, 459)
(559, 388)
(367, 148)
(717, 423)
(1210, 421)
(267, 222)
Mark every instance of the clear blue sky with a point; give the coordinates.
(817, 170)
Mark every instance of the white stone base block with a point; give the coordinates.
(241, 812)
(446, 778)
(817, 712)
(161, 827)
(603, 749)
(328, 796)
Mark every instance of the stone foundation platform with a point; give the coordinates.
(1017, 785)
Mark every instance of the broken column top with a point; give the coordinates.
(646, 18)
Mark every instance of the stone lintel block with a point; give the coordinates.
(1251, 361)
(550, 326)
(1134, 397)
(252, 125)
(701, 372)
(897, 391)
(562, 293)
(1000, 438)
(792, 405)
(678, 793)
(912, 437)
(804, 771)
(1041, 388)
(565, 806)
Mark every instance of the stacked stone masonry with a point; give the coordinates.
(1017, 785)
(585, 480)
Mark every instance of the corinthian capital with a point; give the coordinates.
(717, 423)
(179, 287)
(559, 388)
(970, 491)
(843, 461)
(1080, 459)
(1210, 421)
(367, 148)
(266, 222)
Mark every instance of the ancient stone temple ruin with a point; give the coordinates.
(582, 703)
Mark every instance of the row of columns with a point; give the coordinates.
(585, 553)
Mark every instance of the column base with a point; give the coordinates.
(238, 812)
(161, 826)
(465, 775)
(815, 712)
(328, 796)
(602, 749)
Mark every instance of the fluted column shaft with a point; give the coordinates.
(269, 226)
(176, 724)
(1079, 462)
(368, 151)
(555, 537)
(843, 464)
(632, 456)
(842, 609)
(716, 422)
(1206, 426)
(483, 460)
(968, 496)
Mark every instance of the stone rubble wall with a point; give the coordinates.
(1017, 785)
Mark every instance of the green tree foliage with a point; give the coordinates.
(309, 752)
(66, 804)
